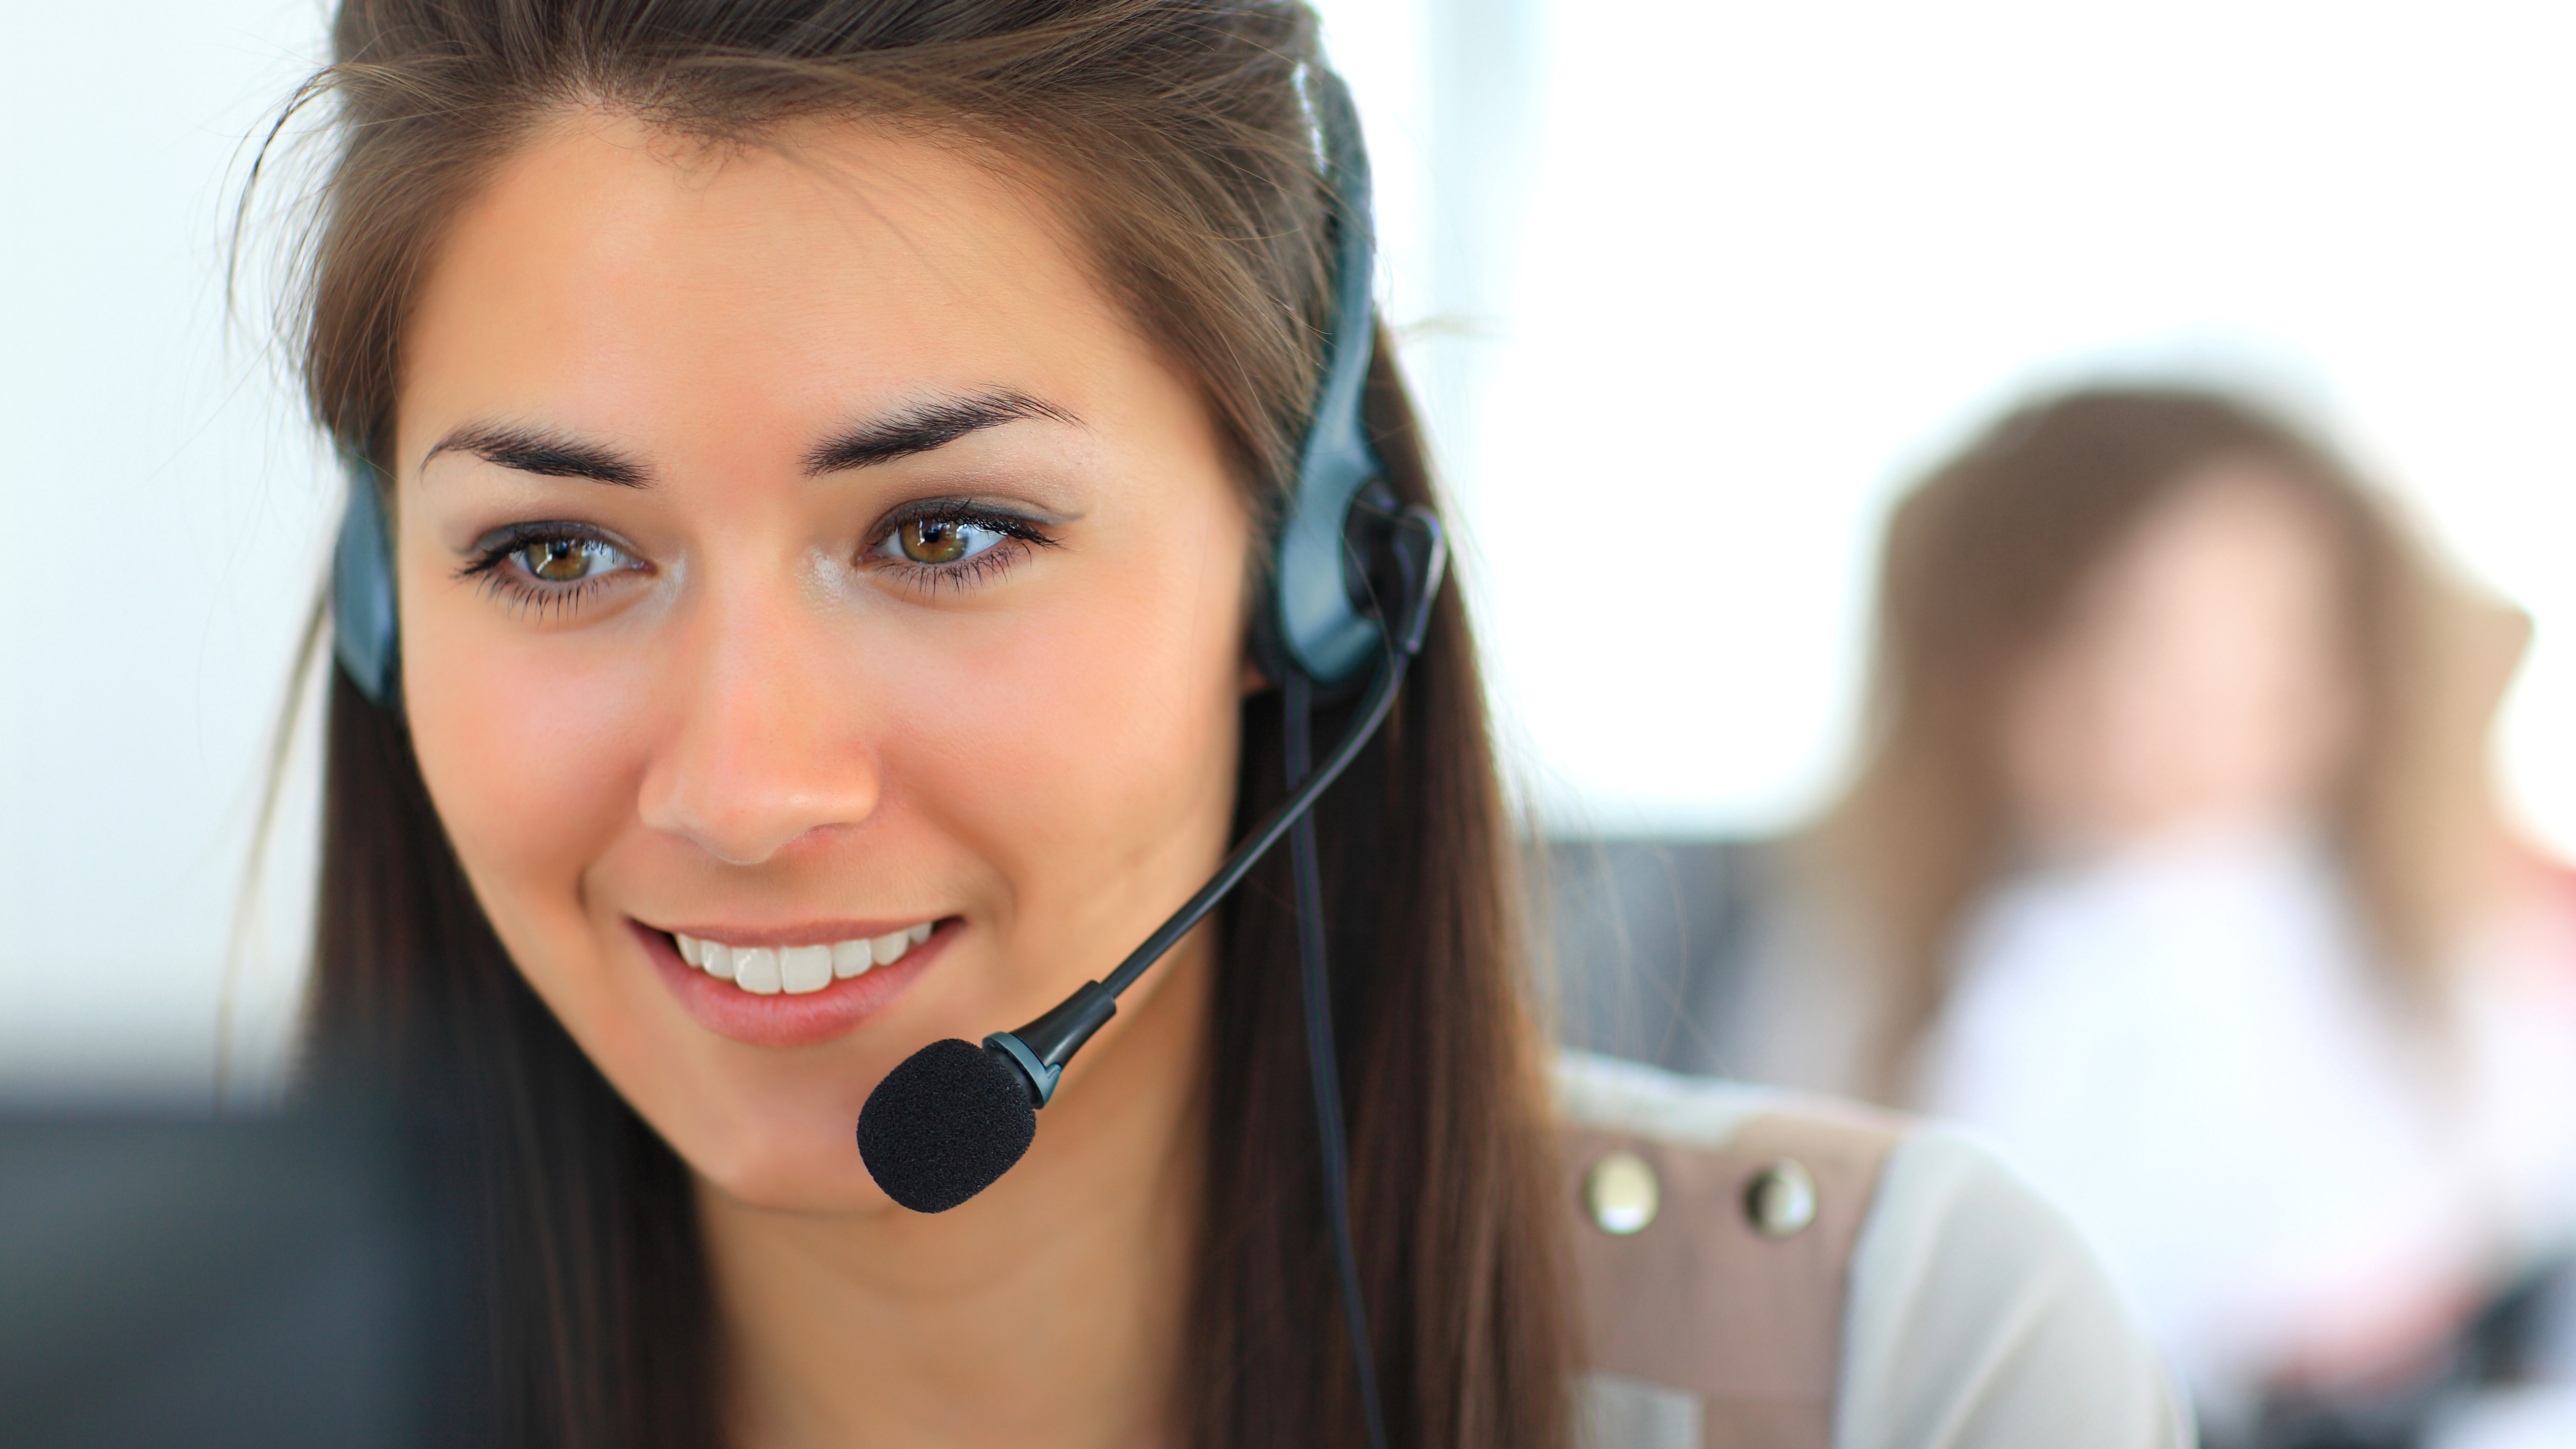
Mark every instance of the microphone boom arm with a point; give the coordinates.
(1041, 1048)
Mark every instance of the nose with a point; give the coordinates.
(771, 742)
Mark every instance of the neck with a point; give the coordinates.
(1048, 1310)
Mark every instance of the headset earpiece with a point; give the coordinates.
(366, 634)
(1404, 553)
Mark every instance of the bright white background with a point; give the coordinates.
(163, 509)
(1691, 288)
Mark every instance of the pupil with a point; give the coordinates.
(933, 542)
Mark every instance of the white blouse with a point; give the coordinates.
(2183, 1046)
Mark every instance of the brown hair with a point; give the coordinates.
(1173, 136)
(1983, 562)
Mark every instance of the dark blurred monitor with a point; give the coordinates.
(276, 1282)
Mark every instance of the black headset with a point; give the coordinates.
(1355, 575)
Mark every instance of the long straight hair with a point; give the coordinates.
(1984, 562)
(1171, 135)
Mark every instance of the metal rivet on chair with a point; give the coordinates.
(1621, 1193)
(1781, 1199)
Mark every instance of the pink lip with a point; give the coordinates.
(782, 1020)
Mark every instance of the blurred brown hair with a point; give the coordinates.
(1173, 137)
(1984, 561)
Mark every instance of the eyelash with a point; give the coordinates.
(1019, 537)
(494, 564)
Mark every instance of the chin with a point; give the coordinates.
(795, 1160)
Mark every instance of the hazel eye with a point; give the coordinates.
(941, 540)
(569, 560)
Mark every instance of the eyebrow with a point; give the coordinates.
(918, 428)
(924, 426)
(541, 451)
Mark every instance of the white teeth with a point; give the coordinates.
(851, 958)
(796, 970)
(756, 970)
(804, 968)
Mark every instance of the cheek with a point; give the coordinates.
(531, 770)
(1090, 757)
(2045, 724)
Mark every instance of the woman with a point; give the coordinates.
(830, 453)
(2175, 863)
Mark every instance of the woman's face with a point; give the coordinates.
(799, 555)
(2204, 677)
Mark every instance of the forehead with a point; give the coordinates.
(2233, 542)
(606, 266)
(2243, 509)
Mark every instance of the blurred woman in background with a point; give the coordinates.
(2173, 866)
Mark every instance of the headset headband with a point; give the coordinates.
(1320, 626)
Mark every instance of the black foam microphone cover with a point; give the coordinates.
(945, 1125)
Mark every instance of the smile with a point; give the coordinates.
(796, 970)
